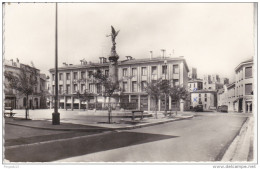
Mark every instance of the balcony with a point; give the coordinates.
(175, 76)
(144, 78)
(154, 77)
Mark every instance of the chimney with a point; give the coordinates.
(101, 59)
(104, 60)
(151, 54)
(163, 50)
(17, 60)
(129, 57)
(65, 64)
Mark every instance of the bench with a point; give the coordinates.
(169, 113)
(137, 111)
(11, 114)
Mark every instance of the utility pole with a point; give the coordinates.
(56, 114)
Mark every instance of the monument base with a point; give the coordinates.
(55, 118)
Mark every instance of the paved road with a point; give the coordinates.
(203, 138)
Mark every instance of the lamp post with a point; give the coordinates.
(56, 114)
(165, 72)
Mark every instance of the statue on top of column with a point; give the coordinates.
(113, 38)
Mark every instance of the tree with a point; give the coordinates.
(178, 92)
(85, 96)
(157, 89)
(24, 82)
(109, 88)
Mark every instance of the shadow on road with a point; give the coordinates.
(57, 150)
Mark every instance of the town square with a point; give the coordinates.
(131, 83)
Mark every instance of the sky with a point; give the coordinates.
(212, 37)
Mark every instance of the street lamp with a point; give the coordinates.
(56, 114)
(165, 72)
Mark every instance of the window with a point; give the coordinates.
(248, 72)
(107, 72)
(134, 71)
(125, 72)
(144, 71)
(199, 95)
(175, 82)
(83, 74)
(68, 76)
(154, 70)
(200, 101)
(99, 88)
(143, 85)
(60, 89)
(164, 69)
(205, 94)
(68, 89)
(53, 89)
(53, 77)
(194, 85)
(134, 86)
(205, 99)
(75, 87)
(61, 76)
(124, 86)
(248, 89)
(90, 74)
(75, 75)
(91, 87)
(175, 69)
(83, 87)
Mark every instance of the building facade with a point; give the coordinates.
(212, 82)
(226, 96)
(244, 86)
(133, 75)
(238, 96)
(195, 84)
(204, 97)
(16, 100)
(193, 73)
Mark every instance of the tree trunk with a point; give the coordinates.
(156, 108)
(26, 107)
(109, 111)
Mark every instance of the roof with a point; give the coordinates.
(195, 80)
(244, 62)
(204, 91)
(231, 85)
(125, 62)
(221, 91)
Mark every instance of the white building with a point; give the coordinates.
(244, 86)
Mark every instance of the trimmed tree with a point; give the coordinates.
(109, 88)
(177, 93)
(24, 82)
(157, 89)
(85, 96)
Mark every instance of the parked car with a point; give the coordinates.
(223, 108)
(198, 108)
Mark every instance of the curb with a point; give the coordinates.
(101, 128)
(238, 150)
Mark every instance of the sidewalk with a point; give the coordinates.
(74, 125)
(241, 149)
